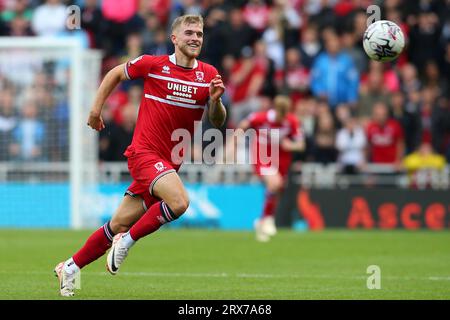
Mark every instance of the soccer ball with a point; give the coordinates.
(383, 41)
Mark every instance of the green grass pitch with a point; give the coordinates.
(210, 264)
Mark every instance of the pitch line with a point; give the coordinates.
(236, 275)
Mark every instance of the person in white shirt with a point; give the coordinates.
(350, 143)
(49, 19)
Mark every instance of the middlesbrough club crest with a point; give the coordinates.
(200, 75)
(159, 166)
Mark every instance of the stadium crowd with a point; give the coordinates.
(310, 50)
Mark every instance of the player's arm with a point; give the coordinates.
(216, 111)
(110, 81)
(296, 145)
(296, 140)
(293, 145)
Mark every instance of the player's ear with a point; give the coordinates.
(173, 38)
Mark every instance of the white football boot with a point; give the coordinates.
(66, 280)
(261, 235)
(116, 255)
(268, 225)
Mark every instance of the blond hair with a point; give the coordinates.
(187, 19)
(282, 101)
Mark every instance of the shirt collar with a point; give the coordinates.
(173, 59)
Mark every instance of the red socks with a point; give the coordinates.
(96, 246)
(270, 204)
(100, 241)
(158, 214)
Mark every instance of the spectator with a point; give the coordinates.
(19, 27)
(409, 79)
(273, 38)
(421, 165)
(272, 81)
(372, 91)
(185, 7)
(29, 135)
(133, 98)
(159, 8)
(148, 33)
(324, 139)
(310, 46)
(21, 9)
(257, 14)
(133, 48)
(93, 22)
(291, 20)
(356, 53)
(8, 121)
(325, 16)
(297, 77)
(424, 40)
(121, 19)
(247, 78)
(240, 34)
(360, 24)
(433, 80)
(215, 32)
(434, 121)
(17, 20)
(161, 44)
(305, 111)
(424, 158)
(409, 119)
(334, 76)
(385, 138)
(351, 143)
(123, 134)
(105, 148)
(49, 19)
(391, 79)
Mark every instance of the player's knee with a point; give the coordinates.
(179, 205)
(118, 226)
(274, 186)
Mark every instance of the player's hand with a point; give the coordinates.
(286, 144)
(216, 88)
(95, 122)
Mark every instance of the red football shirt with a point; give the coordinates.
(383, 141)
(288, 128)
(173, 98)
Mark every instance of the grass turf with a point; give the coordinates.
(209, 264)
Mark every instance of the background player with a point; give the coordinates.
(177, 89)
(273, 175)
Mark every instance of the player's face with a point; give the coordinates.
(281, 110)
(188, 38)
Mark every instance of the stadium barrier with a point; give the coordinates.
(231, 197)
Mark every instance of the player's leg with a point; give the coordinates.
(265, 226)
(174, 202)
(129, 211)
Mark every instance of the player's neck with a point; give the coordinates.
(184, 61)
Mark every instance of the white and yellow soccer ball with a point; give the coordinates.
(383, 41)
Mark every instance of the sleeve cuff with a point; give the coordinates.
(126, 71)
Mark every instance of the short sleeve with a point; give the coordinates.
(138, 67)
(210, 73)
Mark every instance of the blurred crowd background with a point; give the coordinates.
(353, 111)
